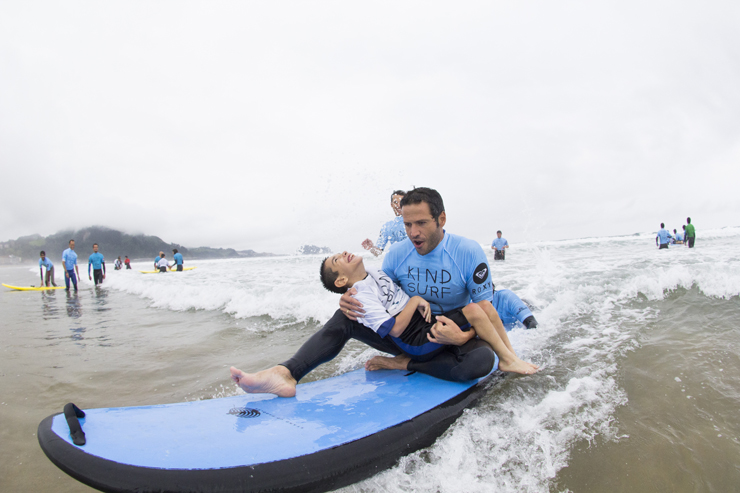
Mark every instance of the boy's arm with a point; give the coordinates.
(404, 318)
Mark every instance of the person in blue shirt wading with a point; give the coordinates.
(178, 259)
(69, 262)
(45, 262)
(447, 270)
(97, 262)
(499, 244)
(392, 231)
(663, 237)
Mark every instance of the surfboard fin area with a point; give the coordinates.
(335, 432)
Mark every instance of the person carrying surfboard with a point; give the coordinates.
(446, 270)
(45, 262)
(69, 262)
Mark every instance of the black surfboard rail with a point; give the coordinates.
(321, 471)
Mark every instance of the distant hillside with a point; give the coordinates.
(112, 243)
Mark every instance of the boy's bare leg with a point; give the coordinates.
(497, 323)
(508, 360)
(400, 362)
(276, 380)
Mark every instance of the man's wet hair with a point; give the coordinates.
(423, 194)
(398, 192)
(174, 250)
(662, 225)
(95, 244)
(499, 231)
(688, 220)
(70, 241)
(42, 253)
(328, 277)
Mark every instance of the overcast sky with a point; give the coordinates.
(267, 125)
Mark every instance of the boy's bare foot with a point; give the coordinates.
(400, 362)
(276, 380)
(518, 366)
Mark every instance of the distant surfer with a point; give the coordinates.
(162, 264)
(499, 244)
(157, 259)
(447, 270)
(678, 237)
(69, 263)
(392, 231)
(663, 237)
(45, 262)
(409, 322)
(127, 263)
(512, 309)
(118, 265)
(177, 257)
(690, 233)
(97, 262)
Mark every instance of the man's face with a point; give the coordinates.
(498, 234)
(345, 264)
(421, 228)
(396, 204)
(43, 256)
(95, 248)
(72, 244)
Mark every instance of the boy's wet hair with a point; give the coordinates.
(423, 194)
(328, 277)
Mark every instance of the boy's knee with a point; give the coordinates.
(472, 310)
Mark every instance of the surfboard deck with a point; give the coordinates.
(32, 288)
(333, 433)
(157, 272)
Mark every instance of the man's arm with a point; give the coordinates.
(448, 333)
(89, 264)
(368, 245)
(103, 262)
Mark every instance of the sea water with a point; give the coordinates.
(639, 350)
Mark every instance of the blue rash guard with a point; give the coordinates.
(448, 277)
(393, 231)
(46, 263)
(69, 257)
(663, 234)
(178, 258)
(679, 237)
(499, 243)
(96, 260)
(510, 307)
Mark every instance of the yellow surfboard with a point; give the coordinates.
(173, 270)
(32, 288)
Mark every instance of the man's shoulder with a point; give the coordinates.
(462, 244)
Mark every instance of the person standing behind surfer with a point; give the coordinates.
(163, 265)
(127, 262)
(446, 270)
(177, 257)
(97, 262)
(69, 262)
(45, 262)
(157, 259)
(392, 231)
(663, 236)
(499, 244)
(690, 233)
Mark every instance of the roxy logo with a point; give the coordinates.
(480, 274)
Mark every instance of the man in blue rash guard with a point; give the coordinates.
(512, 309)
(392, 231)
(177, 257)
(499, 244)
(444, 269)
(97, 262)
(663, 236)
(157, 259)
(69, 262)
(45, 262)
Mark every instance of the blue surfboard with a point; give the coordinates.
(333, 433)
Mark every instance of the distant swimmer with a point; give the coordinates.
(499, 244)
(127, 262)
(512, 309)
(69, 262)
(45, 262)
(663, 236)
(690, 233)
(117, 265)
(392, 231)
(177, 257)
(677, 237)
(162, 264)
(97, 262)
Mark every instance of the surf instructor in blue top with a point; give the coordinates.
(97, 262)
(663, 236)
(444, 269)
(177, 257)
(69, 262)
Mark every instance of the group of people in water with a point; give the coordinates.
(163, 265)
(686, 237)
(432, 306)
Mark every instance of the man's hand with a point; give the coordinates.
(89, 277)
(447, 332)
(350, 306)
(367, 244)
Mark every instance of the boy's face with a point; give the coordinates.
(345, 264)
